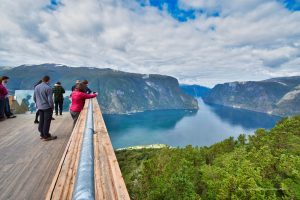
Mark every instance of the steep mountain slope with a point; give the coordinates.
(120, 92)
(195, 90)
(289, 103)
(273, 96)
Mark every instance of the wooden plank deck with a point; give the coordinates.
(28, 164)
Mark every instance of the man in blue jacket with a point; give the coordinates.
(43, 98)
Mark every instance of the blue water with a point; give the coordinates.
(208, 125)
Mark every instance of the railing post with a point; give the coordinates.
(84, 185)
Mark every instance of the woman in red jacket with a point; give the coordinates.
(78, 99)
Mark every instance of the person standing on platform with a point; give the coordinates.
(79, 96)
(7, 110)
(43, 98)
(36, 121)
(58, 92)
(87, 89)
(3, 93)
(74, 86)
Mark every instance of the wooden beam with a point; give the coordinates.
(110, 184)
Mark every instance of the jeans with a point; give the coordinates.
(59, 104)
(2, 107)
(75, 116)
(7, 110)
(45, 122)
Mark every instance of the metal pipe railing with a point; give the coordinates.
(84, 185)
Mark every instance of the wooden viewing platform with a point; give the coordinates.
(31, 168)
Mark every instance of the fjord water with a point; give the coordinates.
(208, 125)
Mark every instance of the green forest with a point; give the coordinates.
(265, 165)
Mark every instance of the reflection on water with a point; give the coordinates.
(149, 120)
(208, 125)
(245, 118)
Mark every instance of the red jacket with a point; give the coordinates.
(3, 91)
(78, 100)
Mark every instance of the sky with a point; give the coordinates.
(197, 41)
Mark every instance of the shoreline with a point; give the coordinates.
(150, 146)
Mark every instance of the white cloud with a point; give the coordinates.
(251, 39)
(199, 4)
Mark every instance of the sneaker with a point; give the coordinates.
(52, 118)
(36, 121)
(50, 138)
(11, 116)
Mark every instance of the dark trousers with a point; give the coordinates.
(75, 116)
(7, 110)
(2, 106)
(37, 115)
(45, 122)
(58, 104)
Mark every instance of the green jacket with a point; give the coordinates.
(58, 92)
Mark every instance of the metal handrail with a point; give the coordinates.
(84, 185)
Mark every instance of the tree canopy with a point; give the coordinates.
(265, 165)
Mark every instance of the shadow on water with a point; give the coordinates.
(148, 120)
(245, 118)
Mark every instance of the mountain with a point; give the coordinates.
(289, 102)
(195, 90)
(120, 92)
(278, 96)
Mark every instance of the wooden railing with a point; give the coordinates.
(108, 180)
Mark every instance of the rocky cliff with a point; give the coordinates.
(279, 96)
(120, 92)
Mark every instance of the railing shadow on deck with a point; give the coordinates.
(69, 181)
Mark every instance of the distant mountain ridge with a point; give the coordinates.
(120, 92)
(195, 90)
(278, 96)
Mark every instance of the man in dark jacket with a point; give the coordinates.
(58, 92)
(43, 98)
(74, 86)
(87, 89)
